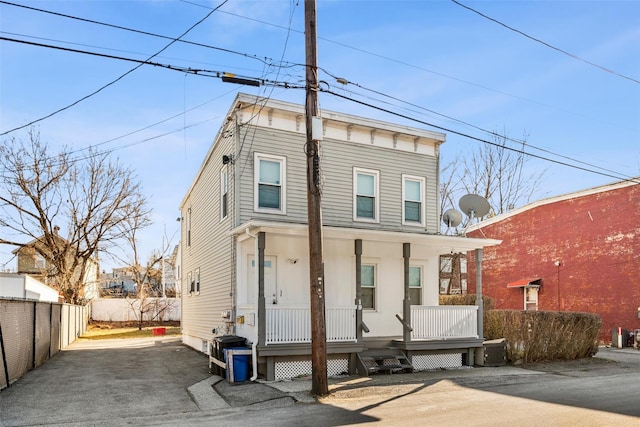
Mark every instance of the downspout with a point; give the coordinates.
(479, 293)
(254, 345)
(358, 301)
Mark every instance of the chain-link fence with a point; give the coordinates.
(31, 332)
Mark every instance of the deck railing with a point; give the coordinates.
(289, 325)
(442, 322)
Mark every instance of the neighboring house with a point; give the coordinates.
(32, 263)
(245, 258)
(575, 252)
(14, 285)
(121, 281)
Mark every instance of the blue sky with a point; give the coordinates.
(435, 55)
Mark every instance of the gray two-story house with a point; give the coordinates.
(245, 262)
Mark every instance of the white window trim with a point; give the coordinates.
(224, 172)
(375, 287)
(421, 287)
(423, 182)
(283, 182)
(376, 194)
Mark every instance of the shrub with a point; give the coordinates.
(535, 336)
(466, 299)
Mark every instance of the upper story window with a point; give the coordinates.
(40, 262)
(413, 212)
(366, 199)
(269, 183)
(224, 192)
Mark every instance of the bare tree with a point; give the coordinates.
(86, 198)
(497, 171)
(147, 277)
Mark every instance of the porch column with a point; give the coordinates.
(479, 293)
(406, 302)
(358, 301)
(262, 320)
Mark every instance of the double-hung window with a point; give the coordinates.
(269, 183)
(413, 200)
(415, 285)
(224, 192)
(366, 199)
(368, 282)
(196, 281)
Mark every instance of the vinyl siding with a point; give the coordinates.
(211, 247)
(392, 150)
(279, 143)
(338, 158)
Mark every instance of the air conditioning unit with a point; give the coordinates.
(492, 353)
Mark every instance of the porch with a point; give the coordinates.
(441, 336)
(292, 325)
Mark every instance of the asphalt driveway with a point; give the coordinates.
(102, 380)
(153, 381)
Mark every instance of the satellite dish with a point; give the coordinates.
(474, 206)
(452, 218)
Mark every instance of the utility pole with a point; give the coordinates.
(319, 386)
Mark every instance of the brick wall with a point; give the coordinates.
(596, 240)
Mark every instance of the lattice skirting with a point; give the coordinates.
(298, 368)
(426, 362)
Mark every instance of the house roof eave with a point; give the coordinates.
(442, 243)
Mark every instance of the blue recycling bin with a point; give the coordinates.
(240, 365)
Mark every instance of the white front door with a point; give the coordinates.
(272, 294)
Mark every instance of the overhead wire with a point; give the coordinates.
(286, 85)
(537, 40)
(173, 41)
(489, 132)
(475, 138)
(198, 71)
(407, 64)
(146, 33)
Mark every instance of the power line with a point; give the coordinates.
(147, 33)
(492, 133)
(519, 151)
(571, 55)
(121, 76)
(404, 63)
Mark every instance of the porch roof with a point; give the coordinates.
(441, 242)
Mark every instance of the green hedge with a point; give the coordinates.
(535, 336)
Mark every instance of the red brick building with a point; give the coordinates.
(576, 252)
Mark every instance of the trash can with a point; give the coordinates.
(219, 344)
(239, 364)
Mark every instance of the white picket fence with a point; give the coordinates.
(127, 309)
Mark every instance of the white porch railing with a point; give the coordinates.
(289, 325)
(441, 322)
